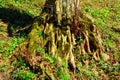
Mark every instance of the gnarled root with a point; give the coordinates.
(66, 42)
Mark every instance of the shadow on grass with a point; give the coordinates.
(15, 19)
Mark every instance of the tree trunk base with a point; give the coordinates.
(64, 43)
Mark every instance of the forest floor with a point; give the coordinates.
(15, 14)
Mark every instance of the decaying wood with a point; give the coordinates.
(66, 33)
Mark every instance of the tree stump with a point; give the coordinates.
(63, 31)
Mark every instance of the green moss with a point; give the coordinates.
(34, 39)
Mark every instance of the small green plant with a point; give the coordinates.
(40, 50)
(40, 32)
(21, 62)
(109, 44)
(2, 49)
(64, 64)
(23, 75)
(63, 75)
(51, 59)
(116, 68)
(89, 72)
(116, 56)
(21, 71)
(5, 55)
(13, 42)
(102, 64)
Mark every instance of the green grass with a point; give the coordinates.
(7, 47)
(22, 71)
(23, 75)
(63, 75)
(33, 7)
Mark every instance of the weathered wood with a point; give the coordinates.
(67, 9)
(76, 35)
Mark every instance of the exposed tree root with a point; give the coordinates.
(68, 41)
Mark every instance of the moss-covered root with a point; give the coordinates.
(60, 43)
